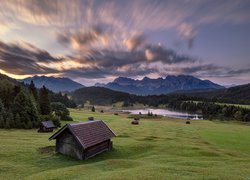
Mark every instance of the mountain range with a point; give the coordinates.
(100, 95)
(158, 86)
(55, 84)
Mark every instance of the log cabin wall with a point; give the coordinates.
(67, 144)
(96, 149)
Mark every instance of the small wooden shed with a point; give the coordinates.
(84, 140)
(46, 126)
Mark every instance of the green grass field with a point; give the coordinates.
(161, 148)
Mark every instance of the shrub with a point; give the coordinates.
(61, 111)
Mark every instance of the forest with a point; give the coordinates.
(25, 106)
(207, 103)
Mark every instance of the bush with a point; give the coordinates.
(67, 118)
(238, 115)
(61, 111)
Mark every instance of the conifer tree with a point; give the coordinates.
(93, 109)
(16, 90)
(33, 90)
(1, 121)
(2, 114)
(10, 119)
(25, 108)
(18, 121)
(44, 101)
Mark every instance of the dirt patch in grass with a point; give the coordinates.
(47, 150)
(149, 138)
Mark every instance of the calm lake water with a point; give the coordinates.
(166, 112)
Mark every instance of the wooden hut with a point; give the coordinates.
(135, 122)
(83, 140)
(91, 118)
(46, 126)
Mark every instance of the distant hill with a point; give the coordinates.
(2, 77)
(105, 96)
(55, 84)
(148, 86)
(236, 93)
(99, 95)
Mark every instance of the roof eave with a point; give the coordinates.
(58, 132)
(109, 129)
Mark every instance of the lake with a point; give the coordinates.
(166, 112)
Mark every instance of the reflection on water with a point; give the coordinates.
(168, 113)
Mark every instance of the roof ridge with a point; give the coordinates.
(87, 122)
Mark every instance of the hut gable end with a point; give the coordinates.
(48, 124)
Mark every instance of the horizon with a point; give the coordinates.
(97, 41)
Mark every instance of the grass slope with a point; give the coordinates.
(161, 148)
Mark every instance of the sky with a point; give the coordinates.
(96, 41)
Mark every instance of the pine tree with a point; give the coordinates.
(2, 109)
(33, 90)
(7, 125)
(44, 101)
(10, 119)
(2, 114)
(1, 121)
(25, 108)
(93, 109)
(18, 121)
(28, 125)
(16, 90)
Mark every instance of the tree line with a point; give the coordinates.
(185, 102)
(25, 106)
(211, 110)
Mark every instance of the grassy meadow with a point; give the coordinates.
(159, 148)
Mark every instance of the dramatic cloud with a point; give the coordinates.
(103, 39)
(24, 58)
(126, 18)
(187, 31)
(134, 42)
(87, 40)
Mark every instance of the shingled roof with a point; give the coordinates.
(48, 124)
(88, 133)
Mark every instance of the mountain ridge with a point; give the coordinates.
(55, 84)
(148, 86)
